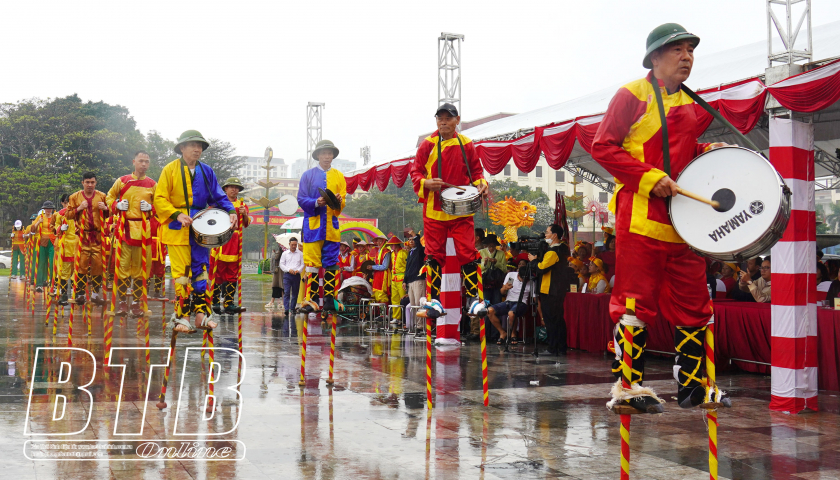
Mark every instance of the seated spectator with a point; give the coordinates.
(823, 283)
(597, 280)
(819, 256)
(833, 267)
(577, 266)
(833, 292)
(729, 277)
(608, 255)
(753, 271)
(760, 288)
(511, 308)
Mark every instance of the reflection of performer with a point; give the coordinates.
(654, 266)
(132, 195)
(228, 258)
(88, 209)
(321, 234)
(186, 187)
(447, 157)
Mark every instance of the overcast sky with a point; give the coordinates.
(243, 71)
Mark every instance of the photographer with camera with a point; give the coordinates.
(554, 283)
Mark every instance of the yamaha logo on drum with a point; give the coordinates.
(756, 207)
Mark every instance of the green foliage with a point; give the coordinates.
(160, 152)
(830, 217)
(395, 208)
(222, 158)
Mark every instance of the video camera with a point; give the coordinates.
(531, 244)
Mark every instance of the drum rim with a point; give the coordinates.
(784, 206)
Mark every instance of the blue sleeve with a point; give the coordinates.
(216, 194)
(305, 200)
(386, 262)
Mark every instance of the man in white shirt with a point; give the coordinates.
(512, 307)
(291, 263)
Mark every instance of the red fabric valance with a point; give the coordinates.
(742, 103)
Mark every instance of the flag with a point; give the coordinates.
(560, 214)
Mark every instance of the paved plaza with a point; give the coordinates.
(547, 416)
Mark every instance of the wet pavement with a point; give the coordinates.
(546, 419)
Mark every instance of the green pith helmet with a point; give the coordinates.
(324, 144)
(233, 182)
(34, 216)
(191, 136)
(663, 35)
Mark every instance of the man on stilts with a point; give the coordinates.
(187, 186)
(228, 257)
(66, 247)
(88, 209)
(18, 243)
(655, 268)
(448, 157)
(131, 197)
(321, 196)
(46, 240)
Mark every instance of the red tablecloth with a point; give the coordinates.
(742, 331)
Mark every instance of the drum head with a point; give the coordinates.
(468, 193)
(748, 188)
(211, 221)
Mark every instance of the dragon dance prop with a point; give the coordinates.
(512, 214)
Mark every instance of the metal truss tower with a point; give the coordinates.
(314, 112)
(787, 31)
(449, 69)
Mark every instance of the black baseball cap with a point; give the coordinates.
(448, 108)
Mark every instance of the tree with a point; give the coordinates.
(46, 145)
(160, 152)
(221, 157)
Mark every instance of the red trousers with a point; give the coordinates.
(665, 278)
(461, 231)
(158, 269)
(227, 271)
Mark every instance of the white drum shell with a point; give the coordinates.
(460, 202)
(211, 228)
(756, 221)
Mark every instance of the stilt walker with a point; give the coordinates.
(447, 159)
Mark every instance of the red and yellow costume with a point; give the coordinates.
(398, 260)
(654, 266)
(18, 251)
(158, 272)
(437, 224)
(132, 237)
(89, 228)
(659, 270)
(226, 261)
(382, 276)
(348, 264)
(66, 248)
(46, 251)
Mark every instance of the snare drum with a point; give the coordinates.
(754, 210)
(455, 201)
(211, 227)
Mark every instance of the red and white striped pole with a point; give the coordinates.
(450, 298)
(793, 333)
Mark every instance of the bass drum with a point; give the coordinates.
(754, 204)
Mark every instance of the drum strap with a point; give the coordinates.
(740, 136)
(184, 183)
(463, 153)
(666, 147)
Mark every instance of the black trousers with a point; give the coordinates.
(555, 323)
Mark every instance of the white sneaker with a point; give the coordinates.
(269, 305)
(394, 321)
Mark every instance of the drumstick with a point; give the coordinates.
(453, 186)
(713, 203)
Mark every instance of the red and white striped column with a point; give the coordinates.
(448, 332)
(793, 342)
